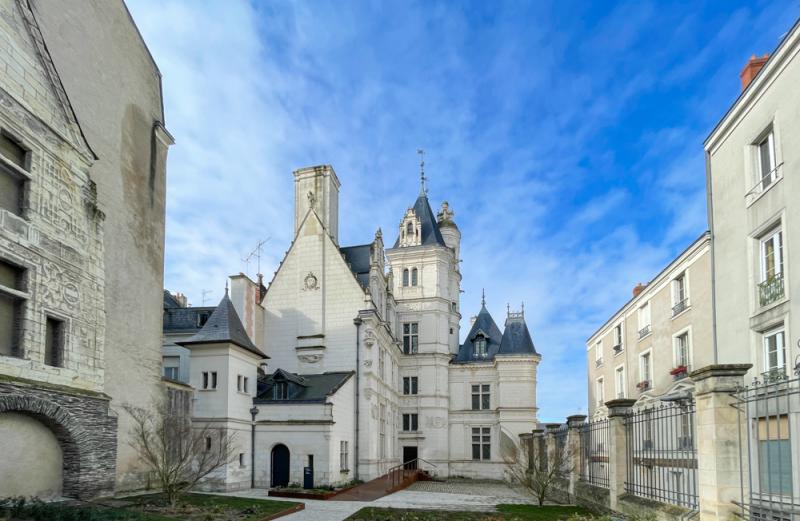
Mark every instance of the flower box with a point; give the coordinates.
(643, 386)
(680, 370)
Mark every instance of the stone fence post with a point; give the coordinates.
(526, 443)
(618, 410)
(574, 424)
(539, 453)
(550, 437)
(719, 431)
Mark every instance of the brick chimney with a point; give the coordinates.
(638, 289)
(754, 65)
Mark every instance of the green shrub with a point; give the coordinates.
(34, 509)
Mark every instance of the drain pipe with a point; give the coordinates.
(253, 413)
(357, 321)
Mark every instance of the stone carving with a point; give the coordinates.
(369, 338)
(436, 422)
(310, 283)
(367, 363)
(310, 359)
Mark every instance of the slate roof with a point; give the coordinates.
(224, 326)
(358, 258)
(308, 388)
(516, 337)
(484, 324)
(514, 340)
(430, 229)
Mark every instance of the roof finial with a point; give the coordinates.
(483, 296)
(508, 309)
(423, 190)
(226, 287)
(523, 309)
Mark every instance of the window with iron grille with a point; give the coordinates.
(480, 397)
(771, 287)
(481, 443)
(410, 338)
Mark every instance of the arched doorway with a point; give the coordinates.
(280, 465)
(32, 458)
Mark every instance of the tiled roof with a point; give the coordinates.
(516, 337)
(223, 326)
(484, 325)
(430, 229)
(358, 259)
(302, 388)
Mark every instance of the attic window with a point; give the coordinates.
(280, 391)
(409, 228)
(480, 346)
(202, 318)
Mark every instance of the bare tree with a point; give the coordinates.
(536, 468)
(177, 452)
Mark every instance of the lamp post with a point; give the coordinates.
(253, 413)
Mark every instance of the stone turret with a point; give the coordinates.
(450, 232)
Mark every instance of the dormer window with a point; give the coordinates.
(280, 391)
(480, 346)
(409, 228)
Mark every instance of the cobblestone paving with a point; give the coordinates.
(458, 495)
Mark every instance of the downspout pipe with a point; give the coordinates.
(357, 321)
(253, 413)
(710, 209)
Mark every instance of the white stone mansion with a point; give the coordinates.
(364, 369)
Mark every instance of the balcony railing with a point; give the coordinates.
(680, 307)
(771, 290)
(617, 349)
(644, 331)
(598, 362)
(765, 182)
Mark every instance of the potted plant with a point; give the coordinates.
(643, 386)
(679, 372)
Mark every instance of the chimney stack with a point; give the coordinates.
(638, 289)
(182, 300)
(753, 67)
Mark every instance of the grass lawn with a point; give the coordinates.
(206, 507)
(505, 513)
(192, 507)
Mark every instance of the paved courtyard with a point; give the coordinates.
(475, 496)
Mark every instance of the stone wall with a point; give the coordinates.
(82, 425)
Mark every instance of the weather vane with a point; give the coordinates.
(422, 189)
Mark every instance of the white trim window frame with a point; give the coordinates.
(682, 350)
(646, 368)
(774, 342)
(620, 390)
(767, 164)
(643, 318)
(598, 353)
(600, 390)
(619, 342)
(771, 251)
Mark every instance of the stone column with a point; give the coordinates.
(574, 423)
(617, 448)
(719, 430)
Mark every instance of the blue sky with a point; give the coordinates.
(567, 136)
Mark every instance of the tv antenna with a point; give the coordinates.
(204, 293)
(257, 254)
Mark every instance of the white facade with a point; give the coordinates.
(347, 329)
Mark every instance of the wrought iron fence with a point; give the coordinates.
(771, 290)
(769, 411)
(594, 453)
(662, 454)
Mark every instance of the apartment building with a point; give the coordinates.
(647, 349)
(753, 162)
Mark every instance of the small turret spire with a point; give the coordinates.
(483, 297)
(423, 190)
(226, 287)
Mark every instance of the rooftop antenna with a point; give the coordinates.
(257, 254)
(204, 293)
(423, 190)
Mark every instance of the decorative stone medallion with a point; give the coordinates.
(310, 283)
